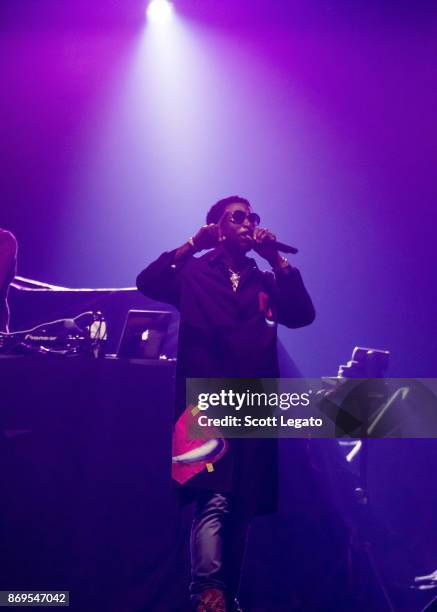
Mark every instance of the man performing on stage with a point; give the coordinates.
(8, 264)
(229, 312)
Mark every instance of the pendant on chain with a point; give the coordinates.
(234, 277)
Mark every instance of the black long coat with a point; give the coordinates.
(227, 334)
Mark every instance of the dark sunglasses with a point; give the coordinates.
(239, 217)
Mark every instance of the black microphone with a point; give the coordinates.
(284, 248)
(280, 246)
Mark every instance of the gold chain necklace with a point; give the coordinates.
(234, 277)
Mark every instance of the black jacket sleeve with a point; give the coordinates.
(295, 308)
(159, 281)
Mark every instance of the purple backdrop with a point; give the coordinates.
(117, 135)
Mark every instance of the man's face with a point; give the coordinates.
(238, 229)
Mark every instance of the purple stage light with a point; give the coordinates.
(159, 10)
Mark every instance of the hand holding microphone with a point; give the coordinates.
(266, 245)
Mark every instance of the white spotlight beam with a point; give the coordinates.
(160, 11)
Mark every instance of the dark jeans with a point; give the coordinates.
(218, 542)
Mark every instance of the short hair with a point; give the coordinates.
(215, 213)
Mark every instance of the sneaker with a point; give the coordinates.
(211, 600)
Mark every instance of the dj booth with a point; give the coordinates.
(86, 501)
(34, 302)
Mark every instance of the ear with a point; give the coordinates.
(219, 225)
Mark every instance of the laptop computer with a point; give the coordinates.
(143, 334)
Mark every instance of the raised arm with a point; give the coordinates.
(160, 280)
(295, 308)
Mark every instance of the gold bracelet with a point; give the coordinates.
(284, 263)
